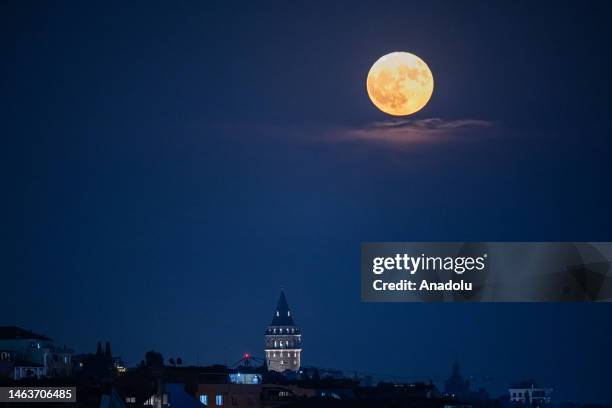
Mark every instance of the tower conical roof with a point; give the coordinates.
(282, 315)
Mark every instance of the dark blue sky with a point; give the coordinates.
(167, 167)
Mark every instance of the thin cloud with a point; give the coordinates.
(412, 132)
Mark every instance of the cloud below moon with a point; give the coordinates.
(411, 132)
(394, 134)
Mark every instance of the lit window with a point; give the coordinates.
(288, 313)
(277, 313)
(219, 400)
(274, 331)
(204, 399)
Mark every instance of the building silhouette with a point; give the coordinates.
(24, 354)
(529, 394)
(283, 340)
(456, 385)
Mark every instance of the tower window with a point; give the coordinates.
(219, 400)
(277, 313)
(204, 399)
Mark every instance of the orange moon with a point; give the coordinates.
(400, 83)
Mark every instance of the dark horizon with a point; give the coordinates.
(169, 168)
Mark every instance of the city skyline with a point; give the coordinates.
(485, 380)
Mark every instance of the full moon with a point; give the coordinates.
(400, 83)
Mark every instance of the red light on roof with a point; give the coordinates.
(247, 355)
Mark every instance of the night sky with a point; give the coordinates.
(168, 167)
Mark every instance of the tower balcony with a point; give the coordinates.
(283, 331)
(284, 347)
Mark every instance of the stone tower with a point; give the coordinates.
(283, 340)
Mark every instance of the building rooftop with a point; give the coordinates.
(14, 332)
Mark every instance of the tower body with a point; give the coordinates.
(283, 340)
